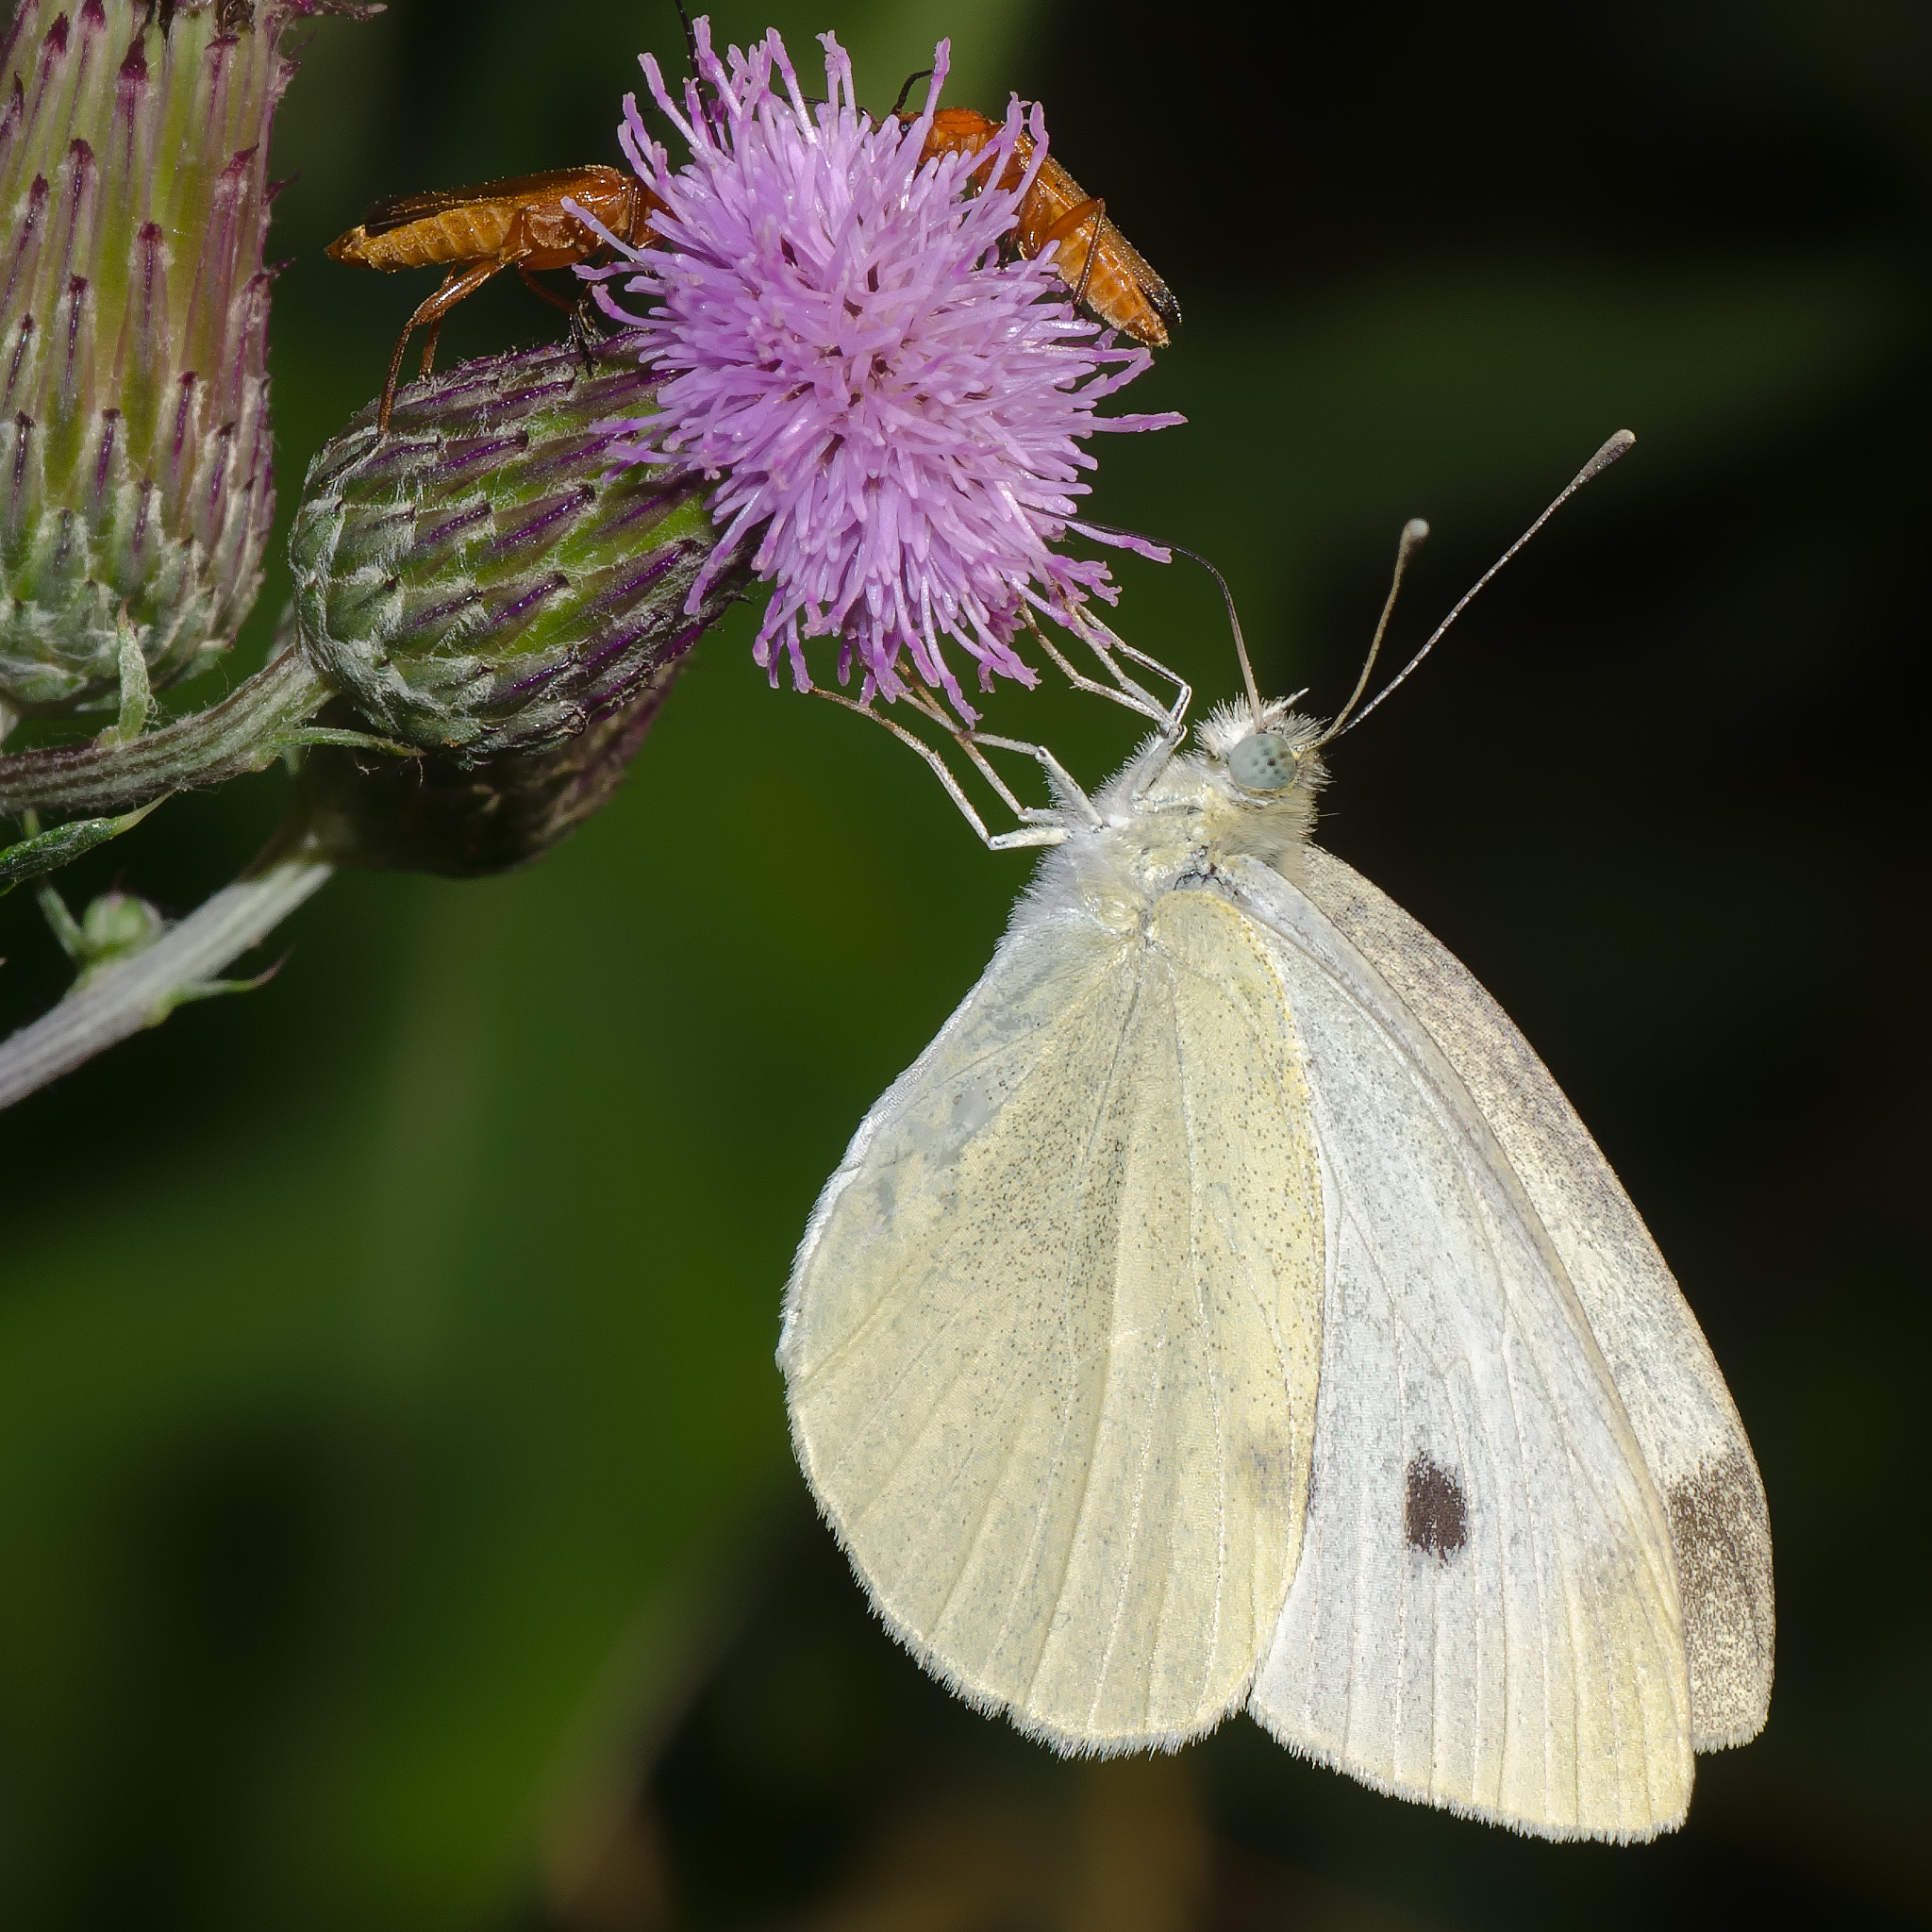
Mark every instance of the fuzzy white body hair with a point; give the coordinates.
(1188, 824)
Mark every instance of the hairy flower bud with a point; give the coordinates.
(487, 578)
(134, 425)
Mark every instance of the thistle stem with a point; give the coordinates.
(246, 732)
(140, 990)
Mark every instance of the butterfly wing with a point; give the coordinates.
(1685, 1420)
(1484, 1615)
(1051, 1341)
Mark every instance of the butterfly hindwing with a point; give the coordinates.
(1051, 1341)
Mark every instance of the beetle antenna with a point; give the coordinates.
(912, 80)
(1413, 532)
(708, 94)
(1596, 465)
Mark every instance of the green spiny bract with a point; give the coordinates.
(496, 574)
(134, 425)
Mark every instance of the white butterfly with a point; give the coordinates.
(1228, 1309)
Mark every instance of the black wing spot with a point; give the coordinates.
(1434, 1514)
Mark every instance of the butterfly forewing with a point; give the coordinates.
(1485, 1614)
(1685, 1422)
(1052, 1340)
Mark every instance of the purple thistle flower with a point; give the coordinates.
(842, 349)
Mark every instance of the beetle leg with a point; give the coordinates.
(580, 337)
(430, 336)
(536, 288)
(588, 331)
(583, 336)
(434, 323)
(1092, 249)
(465, 278)
(1092, 210)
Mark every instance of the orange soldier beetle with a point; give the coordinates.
(520, 223)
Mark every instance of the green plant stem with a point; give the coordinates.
(246, 732)
(144, 988)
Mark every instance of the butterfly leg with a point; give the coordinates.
(1124, 691)
(971, 743)
(994, 841)
(1058, 775)
(1171, 718)
(1171, 732)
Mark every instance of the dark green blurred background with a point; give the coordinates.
(397, 1528)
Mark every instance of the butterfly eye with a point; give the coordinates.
(1263, 763)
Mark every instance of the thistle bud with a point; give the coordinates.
(134, 424)
(433, 815)
(495, 575)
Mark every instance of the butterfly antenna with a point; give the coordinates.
(1413, 532)
(1234, 621)
(1234, 624)
(1596, 465)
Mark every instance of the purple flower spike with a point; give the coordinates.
(896, 409)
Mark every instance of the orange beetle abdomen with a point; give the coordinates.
(467, 233)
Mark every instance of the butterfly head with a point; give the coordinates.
(1260, 779)
(1264, 761)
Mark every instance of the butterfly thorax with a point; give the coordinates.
(1187, 825)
